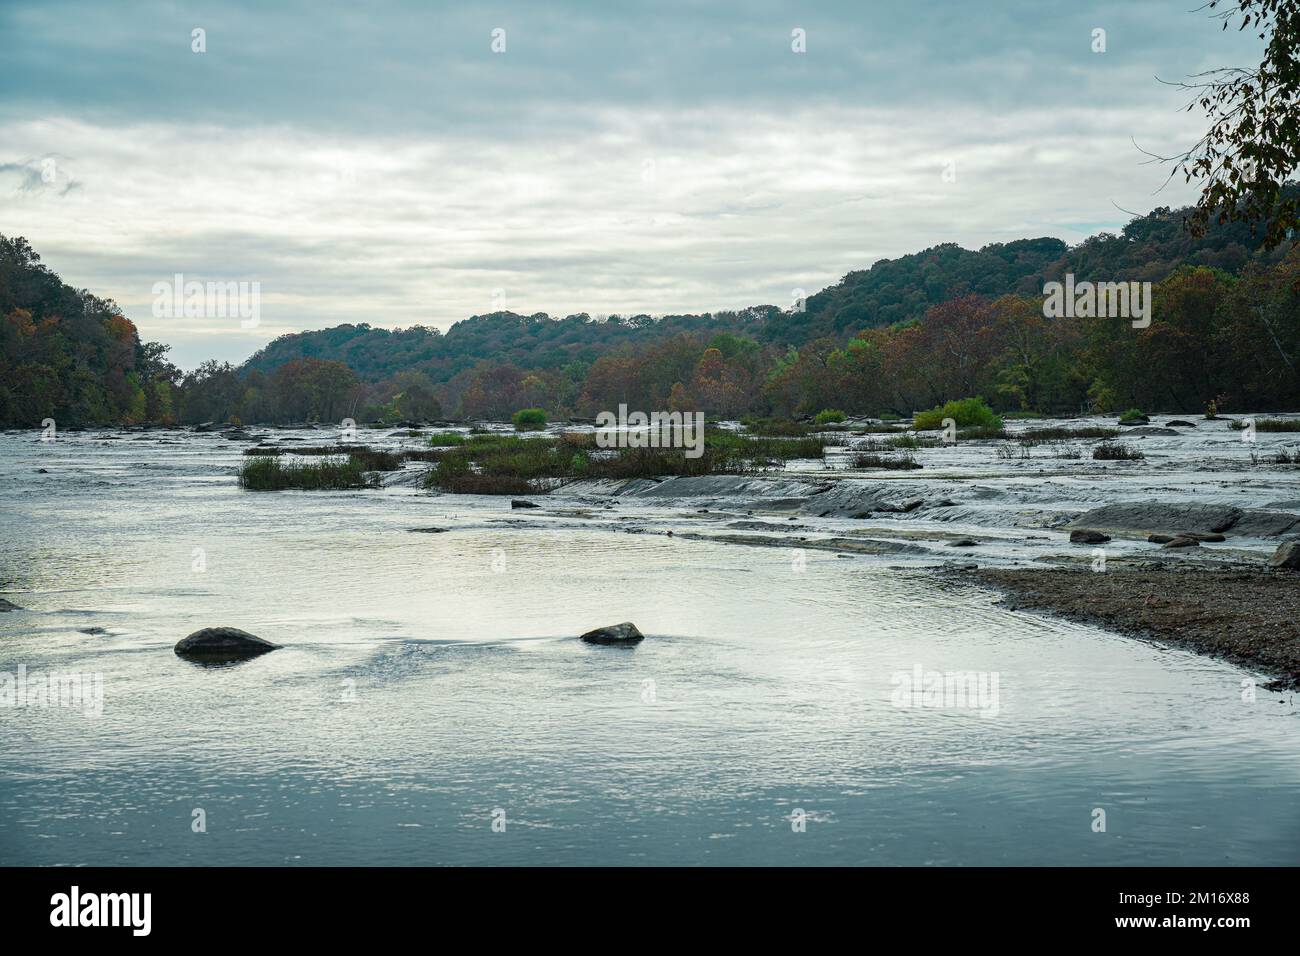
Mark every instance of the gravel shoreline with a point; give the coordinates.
(1248, 616)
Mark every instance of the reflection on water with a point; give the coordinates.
(429, 680)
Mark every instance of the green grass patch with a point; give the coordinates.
(828, 416)
(267, 473)
(1133, 416)
(446, 439)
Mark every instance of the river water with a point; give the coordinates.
(432, 704)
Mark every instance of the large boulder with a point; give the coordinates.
(1287, 555)
(621, 634)
(1087, 536)
(1184, 518)
(222, 644)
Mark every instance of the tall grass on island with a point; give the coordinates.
(270, 473)
(497, 464)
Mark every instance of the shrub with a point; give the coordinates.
(1132, 417)
(529, 419)
(966, 412)
(828, 416)
(1110, 451)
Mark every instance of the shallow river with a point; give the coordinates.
(432, 705)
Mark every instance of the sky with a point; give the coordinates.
(420, 163)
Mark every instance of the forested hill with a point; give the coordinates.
(1149, 248)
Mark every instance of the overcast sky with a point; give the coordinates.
(380, 163)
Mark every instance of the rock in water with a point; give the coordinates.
(1087, 536)
(520, 503)
(625, 633)
(222, 644)
(1287, 555)
(8, 606)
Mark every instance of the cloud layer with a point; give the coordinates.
(388, 167)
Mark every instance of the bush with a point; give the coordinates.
(1133, 416)
(966, 412)
(529, 419)
(1110, 451)
(828, 416)
(265, 473)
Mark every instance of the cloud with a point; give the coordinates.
(386, 167)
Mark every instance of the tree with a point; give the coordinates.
(1250, 151)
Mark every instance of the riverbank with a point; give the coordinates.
(1248, 616)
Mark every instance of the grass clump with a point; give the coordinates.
(446, 439)
(1269, 424)
(373, 459)
(1113, 451)
(529, 419)
(966, 412)
(828, 416)
(982, 433)
(776, 427)
(1067, 434)
(269, 473)
(891, 462)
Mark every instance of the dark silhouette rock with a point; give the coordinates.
(619, 634)
(222, 645)
(520, 503)
(1087, 536)
(8, 606)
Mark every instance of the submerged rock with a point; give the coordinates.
(1287, 555)
(8, 606)
(221, 644)
(520, 503)
(1183, 542)
(625, 633)
(1087, 536)
(1179, 423)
